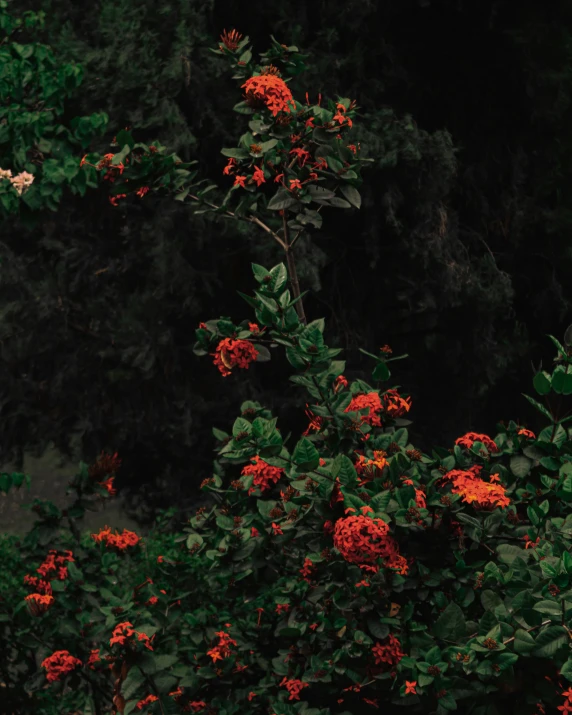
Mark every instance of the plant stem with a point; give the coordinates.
(292, 272)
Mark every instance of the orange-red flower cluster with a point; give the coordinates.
(371, 468)
(38, 603)
(371, 401)
(146, 701)
(316, 421)
(469, 439)
(473, 488)
(395, 405)
(362, 540)
(294, 687)
(119, 541)
(53, 566)
(59, 664)
(389, 653)
(265, 475)
(123, 631)
(234, 353)
(523, 432)
(307, 570)
(339, 383)
(271, 91)
(222, 649)
(39, 585)
(106, 465)
(230, 40)
(566, 707)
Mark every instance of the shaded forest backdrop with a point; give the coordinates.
(460, 256)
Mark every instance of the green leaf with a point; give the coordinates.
(520, 465)
(282, 199)
(132, 683)
(193, 539)
(566, 670)
(523, 642)
(549, 641)
(541, 383)
(548, 608)
(538, 406)
(340, 203)
(450, 626)
(351, 194)
(508, 553)
(306, 456)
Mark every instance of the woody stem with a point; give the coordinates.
(292, 271)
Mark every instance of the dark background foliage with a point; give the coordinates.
(459, 256)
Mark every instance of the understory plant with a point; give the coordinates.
(337, 572)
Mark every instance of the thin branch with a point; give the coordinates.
(251, 219)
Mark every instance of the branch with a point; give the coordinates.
(251, 219)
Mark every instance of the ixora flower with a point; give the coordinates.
(271, 91)
(39, 603)
(395, 405)
(474, 489)
(389, 652)
(105, 465)
(362, 540)
(265, 475)
(294, 687)
(59, 664)
(119, 541)
(469, 439)
(234, 353)
(230, 40)
(370, 400)
(124, 631)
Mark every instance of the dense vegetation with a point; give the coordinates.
(460, 249)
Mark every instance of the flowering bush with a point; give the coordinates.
(342, 571)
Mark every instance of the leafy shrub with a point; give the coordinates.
(328, 574)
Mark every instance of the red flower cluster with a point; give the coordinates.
(234, 353)
(523, 432)
(389, 653)
(146, 701)
(370, 401)
(294, 687)
(59, 664)
(316, 422)
(271, 91)
(265, 475)
(371, 468)
(469, 439)
(222, 650)
(123, 631)
(395, 405)
(39, 585)
(230, 40)
(38, 604)
(307, 569)
(106, 465)
(473, 488)
(362, 540)
(339, 383)
(53, 566)
(119, 541)
(566, 708)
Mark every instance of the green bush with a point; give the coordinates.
(332, 573)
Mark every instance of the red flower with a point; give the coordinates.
(38, 603)
(526, 433)
(395, 405)
(389, 653)
(230, 40)
(361, 402)
(106, 465)
(294, 687)
(108, 485)
(240, 180)
(117, 540)
(265, 475)
(277, 530)
(271, 91)
(59, 664)
(258, 176)
(470, 438)
(146, 701)
(254, 532)
(142, 191)
(234, 353)
(363, 540)
(410, 687)
(229, 168)
(474, 489)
